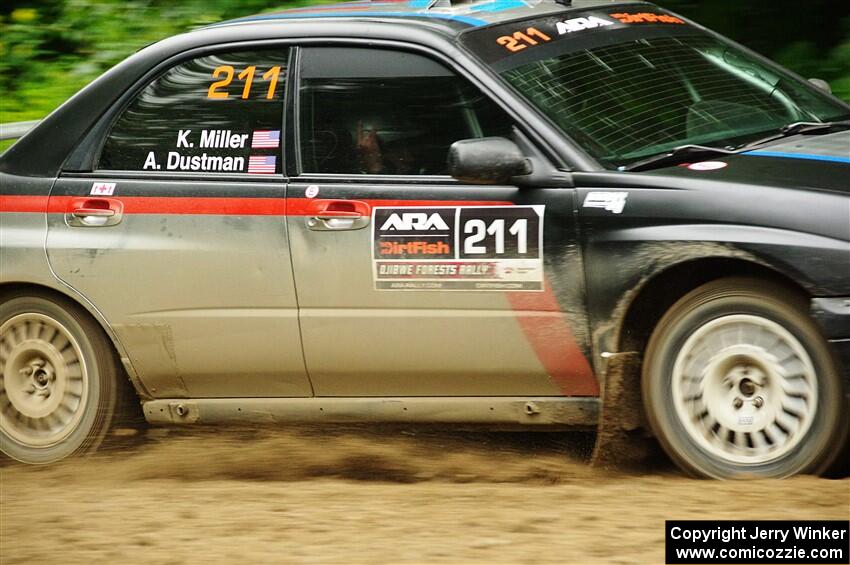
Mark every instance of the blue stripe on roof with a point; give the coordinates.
(499, 6)
(370, 14)
(807, 156)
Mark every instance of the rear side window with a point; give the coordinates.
(219, 113)
(371, 111)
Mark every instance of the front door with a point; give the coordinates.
(410, 283)
(179, 235)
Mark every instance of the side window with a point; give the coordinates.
(370, 111)
(218, 113)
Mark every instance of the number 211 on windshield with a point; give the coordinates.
(519, 40)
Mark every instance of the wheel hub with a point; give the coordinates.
(41, 371)
(747, 387)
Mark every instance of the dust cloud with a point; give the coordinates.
(369, 495)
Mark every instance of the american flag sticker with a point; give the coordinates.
(261, 165)
(265, 139)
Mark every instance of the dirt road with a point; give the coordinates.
(366, 496)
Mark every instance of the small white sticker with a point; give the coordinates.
(102, 188)
(611, 201)
(745, 420)
(708, 166)
(312, 191)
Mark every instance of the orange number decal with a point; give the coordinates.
(224, 69)
(519, 40)
(272, 74)
(510, 43)
(534, 31)
(520, 36)
(248, 76)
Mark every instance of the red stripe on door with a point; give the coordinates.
(214, 206)
(553, 341)
(186, 205)
(23, 203)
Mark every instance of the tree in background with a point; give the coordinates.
(812, 38)
(49, 49)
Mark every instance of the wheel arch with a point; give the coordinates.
(68, 295)
(658, 293)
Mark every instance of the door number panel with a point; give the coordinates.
(471, 248)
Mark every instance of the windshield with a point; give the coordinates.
(628, 84)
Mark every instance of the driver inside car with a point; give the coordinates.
(379, 157)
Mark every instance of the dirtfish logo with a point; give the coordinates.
(415, 221)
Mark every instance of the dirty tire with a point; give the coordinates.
(61, 380)
(739, 382)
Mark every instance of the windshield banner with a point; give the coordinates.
(537, 38)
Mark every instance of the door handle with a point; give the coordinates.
(338, 215)
(94, 212)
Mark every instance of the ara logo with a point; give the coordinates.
(611, 201)
(581, 24)
(415, 221)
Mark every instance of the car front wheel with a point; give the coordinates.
(739, 382)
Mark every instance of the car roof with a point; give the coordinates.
(453, 17)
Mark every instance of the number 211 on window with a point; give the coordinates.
(218, 89)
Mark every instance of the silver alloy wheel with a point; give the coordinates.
(744, 389)
(44, 384)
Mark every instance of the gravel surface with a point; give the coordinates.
(369, 496)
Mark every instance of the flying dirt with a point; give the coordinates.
(369, 495)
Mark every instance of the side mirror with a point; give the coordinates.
(822, 84)
(488, 160)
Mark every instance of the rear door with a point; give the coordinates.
(411, 283)
(179, 235)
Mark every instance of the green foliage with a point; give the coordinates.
(811, 38)
(49, 49)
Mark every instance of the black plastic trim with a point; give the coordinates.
(833, 314)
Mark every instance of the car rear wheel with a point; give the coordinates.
(738, 381)
(59, 382)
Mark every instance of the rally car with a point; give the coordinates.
(538, 215)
